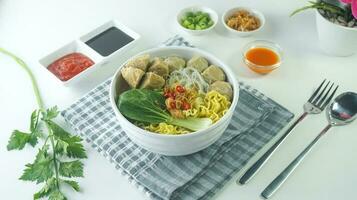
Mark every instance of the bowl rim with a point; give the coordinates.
(215, 19)
(279, 52)
(254, 11)
(141, 131)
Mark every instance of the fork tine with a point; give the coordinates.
(316, 91)
(325, 96)
(321, 93)
(329, 99)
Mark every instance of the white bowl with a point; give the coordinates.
(175, 145)
(213, 15)
(234, 32)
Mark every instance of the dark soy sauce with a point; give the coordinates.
(109, 41)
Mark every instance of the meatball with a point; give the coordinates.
(197, 62)
(152, 81)
(175, 63)
(222, 87)
(159, 67)
(132, 76)
(140, 62)
(213, 73)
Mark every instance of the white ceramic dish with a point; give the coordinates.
(80, 46)
(175, 145)
(234, 32)
(213, 15)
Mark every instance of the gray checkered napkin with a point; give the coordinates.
(257, 119)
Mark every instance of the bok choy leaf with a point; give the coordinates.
(148, 106)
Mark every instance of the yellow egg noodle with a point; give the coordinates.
(214, 106)
(165, 128)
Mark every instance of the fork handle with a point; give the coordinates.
(263, 159)
(281, 178)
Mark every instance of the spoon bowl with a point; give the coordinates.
(343, 109)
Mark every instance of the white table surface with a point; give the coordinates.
(33, 28)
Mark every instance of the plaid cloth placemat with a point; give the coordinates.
(256, 120)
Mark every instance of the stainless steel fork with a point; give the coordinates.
(315, 105)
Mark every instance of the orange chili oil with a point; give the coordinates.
(263, 57)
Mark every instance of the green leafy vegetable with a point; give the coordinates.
(48, 166)
(148, 106)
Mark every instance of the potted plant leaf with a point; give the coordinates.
(336, 22)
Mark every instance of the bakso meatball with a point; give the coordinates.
(140, 62)
(152, 81)
(132, 76)
(213, 73)
(159, 67)
(175, 63)
(222, 87)
(198, 63)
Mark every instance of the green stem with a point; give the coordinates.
(29, 72)
(54, 159)
(40, 105)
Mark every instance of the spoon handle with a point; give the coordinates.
(281, 178)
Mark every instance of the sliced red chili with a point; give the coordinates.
(186, 106)
(167, 94)
(173, 105)
(180, 89)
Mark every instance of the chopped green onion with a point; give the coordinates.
(196, 20)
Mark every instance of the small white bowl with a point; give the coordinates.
(234, 32)
(79, 46)
(174, 145)
(213, 15)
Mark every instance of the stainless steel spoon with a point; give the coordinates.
(341, 112)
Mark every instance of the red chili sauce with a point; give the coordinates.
(70, 65)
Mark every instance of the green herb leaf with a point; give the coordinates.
(18, 140)
(51, 113)
(70, 145)
(33, 139)
(47, 189)
(58, 131)
(41, 169)
(62, 143)
(71, 169)
(75, 149)
(73, 184)
(34, 120)
(61, 147)
(56, 195)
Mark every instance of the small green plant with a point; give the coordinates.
(334, 9)
(320, 5)
(59, 157)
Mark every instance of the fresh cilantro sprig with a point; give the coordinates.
(59, 157)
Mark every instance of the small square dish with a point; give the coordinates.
(77, 59)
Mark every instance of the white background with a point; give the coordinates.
(34, 28)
